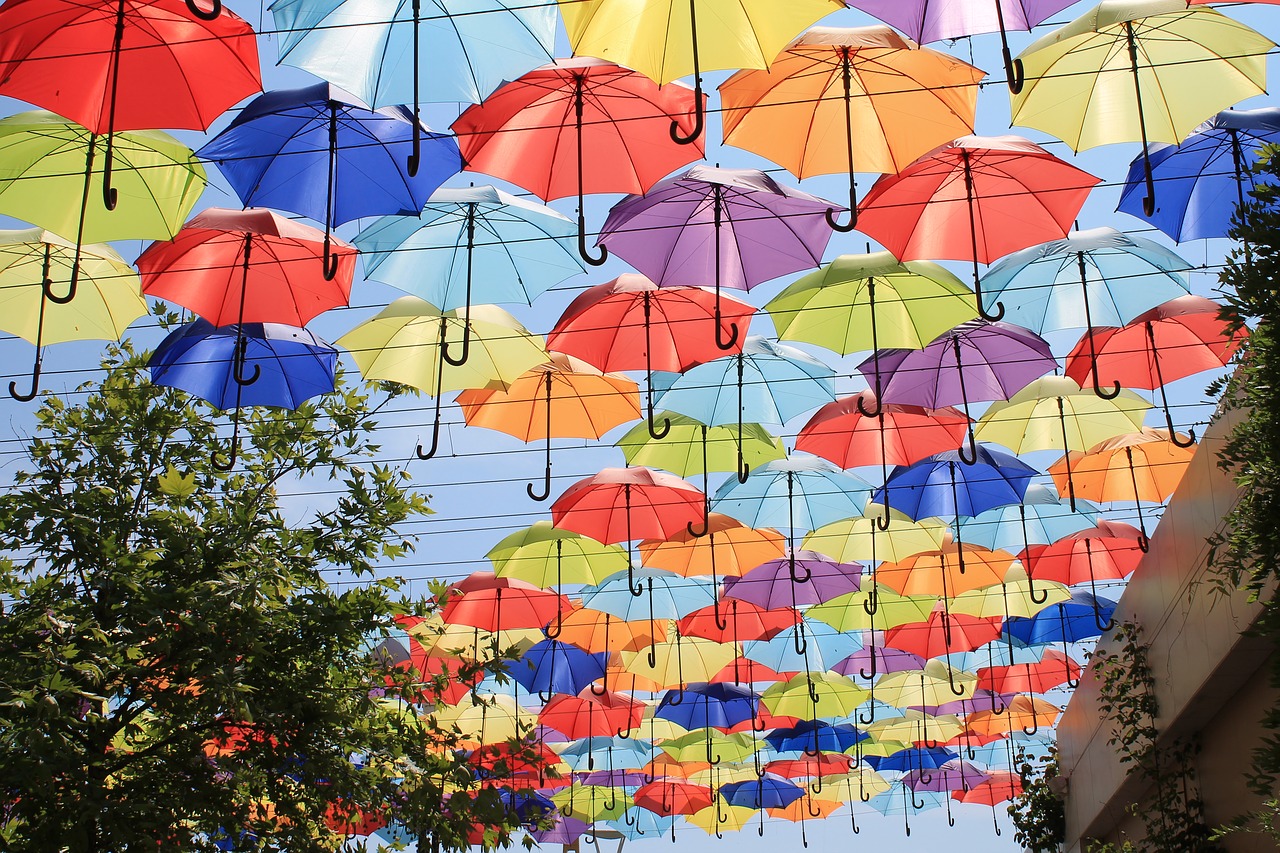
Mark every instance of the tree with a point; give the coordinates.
(175, 672)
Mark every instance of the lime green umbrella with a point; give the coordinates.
(590, 803)
(547, 556)
(1138, 71)
(856, 540)
(32, 263)
(873, 608)
(814, 696)
(409, 340)
(1054, 413)
(916, 726)
(866, 302)
(930, 686)
(49, 170)
(696, 745)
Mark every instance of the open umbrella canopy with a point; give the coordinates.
(555, 667)
(701, 705)
(680, 661)
(893, 434)
(872, 608)
(545, 555)
(862, 538)
(768, 792)
(728, 547)
(681, 449)
(946, 485)
(772, 584)
(627, 504)
(665, 595)
(1055, 412)
(1039, 519)
(796, 493)
(814, 696)
(1145, 465)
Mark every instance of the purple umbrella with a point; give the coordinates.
(619, 778)
(731, 227)
(770, 584)
(976, 361)
(982, 700)
(952, 776)
(927, 21)
(887, 660)
(564, 830)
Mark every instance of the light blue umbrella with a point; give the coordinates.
(900, 799)
(670, 596)
(1098, 277)
(631, 753)
(800, 492)
(639, 824)
(768, 383)
(807, 647)
(475, 244)
(1040, 519)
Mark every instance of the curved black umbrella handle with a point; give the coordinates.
(546, 483)
(546, 477)
(35, 368)
(722, 344)
(656, 432)
(830, 215)
(1035, 727)
(217, 463)
(435, 431)
(210, 15)
(1031, 590)
(695, 533)
(466, 345)
(867, 413)
(26, 397)
(1106, 394)
(989, 317)
(698, 117)
(951, 682)
(883, 520)
(1014, 74)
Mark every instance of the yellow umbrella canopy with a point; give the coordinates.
(720, 817)
(1054, 412)
(680, 661)
(915, 726)
(1018, 595)
(861, 540)
(728, 547)
(459, 642)
(692, 746)
(590, 803)
(875, 607)
(545, 556)
(861, 781)
(929, 686)
(814, 696)
(485, 720)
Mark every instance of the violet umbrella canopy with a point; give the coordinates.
(770, 584)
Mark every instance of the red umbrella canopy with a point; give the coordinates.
(1109, 551)
(353, 821)
(1011, 191)
(1000, 786)
(673, 796)
(1178, 338)
(944, 634)
(1053, 668)
(505, 609)
(525, 762)
(825, 764)
(527, 132)
(632, 324)
(171, 68)
(840, 432)
(625, 504)
(247, 266)
(589, 715)
(742, 622)
(746, 671)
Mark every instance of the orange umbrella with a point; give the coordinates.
(802, 111)
(944, 573)
(728, 547)
(1140, 466)
(593, 631)
(1024, 712)
(743, 622)
(586, 402)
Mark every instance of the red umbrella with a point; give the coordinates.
(943, 634)
(247, 266)
(127, 64)
(673, 796)
(1176, 339)
(1109, 551)
(1053, 669)
(505, 609)
(746, 671)
(824, 764)
(632, 324)
(577, 126)
(841, 432)
(589, 715)
(507, 763)
(742, 622)
(975, 199)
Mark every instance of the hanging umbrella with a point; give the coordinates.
(607, 115)
(511, 605)
(926, 22)
(868, 609)
(770, 584)
(659, 38)
(254, 364)
(678, 662)
(934, 684)
(277, 148)
(1180, 64)
(628, 753)
(457, 51)
(632, 324)
(1109, 551)
(1025, 712)
(725, 227)
(812, 737)
(975, 199)
(700, 706)
(476, 244)
(589, 714)
(717, 818)
(952, 776)
(126, 65)
(670, 596)
(1129, 276)
(813, 696)
(939, 573)
(406, 343)
(1142, 466)
(592, 630)
(743, 621)
(1205, 177)
(801, 112)
(771, 384)
(587, 403)
(590, 803)
(727, 546)
(1039, 519)
(1071, 621)
(547, 556)
(1188, 328)
(1012, 596)
(1052, 670)
(554, 667)
(809, 647)
(862, 539)
(48, 169)
(943, 485)
(975, 361)
(672, 797)
(943, 634)
(32, 262)
(1054, 412)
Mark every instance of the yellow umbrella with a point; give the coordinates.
(663, 41)
(36, 269)
(930, 686)
(443, 640)
(874, 607)
(680, 661)
(1138, 71)
(486, 719)
(547, 556)
(1054, 412)
(1016, 596)
(840, 96)
(862, 540)
(814, 696)
(715, 819)
(563, 398)
(916, 726)
(409, 342)
(727, 547)
(860, 783)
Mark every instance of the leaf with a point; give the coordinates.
(174, 482)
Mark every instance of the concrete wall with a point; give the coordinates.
(1210, 679)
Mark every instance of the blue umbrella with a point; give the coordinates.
(703, 706)
(476, 242)
(810, 646)
(1204, 178)
(767, 792)
(638, 823)
(551, 666)
(943, 485)
(529, 806)
(917, 758)
(767, 383)
(813, 736)
(900, 799)
(628, 753)
(319, 152)
(1084, 617)
(249, 364)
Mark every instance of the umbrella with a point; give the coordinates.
(772, 383)
(814, 695)
(587, 403)
(870, 609)
(862, 539)
(247, 266)
(1039, 519)
(1052, 670)
(1024, 712)
(943, 634)
(166, 66)
(277, 148)
(932, 685)
(672, 797)
(250, 364)
(509, 604)
(926, 22)
(771, 584)
(1012, 596)
(975, 361)
(651, 37)
(406, 343)
(1188, 61)
(461, 51)
(522, 249)
(730, 227)
(726, 543)
(809, 647)
(623, 753)
(589, 714)
(531, 553)
(607, 115)
(32, 261)
(1080, 618)
(768, 792)
(953, 776)
(813, 737)
(802, 110)
(680, 661)
(975, 199)
(745, 621)
(554, 667)
(632, 324)
(1130, 275)
(46, 163)
(592, 630)
(1204, 178)
(703, 706)
(1109, 551)
(1054, 412)
(1190, 328)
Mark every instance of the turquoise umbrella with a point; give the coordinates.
(1040, 519)
(670, 596)
(629, 753)
(808, 647)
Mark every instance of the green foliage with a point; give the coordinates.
(174, 668)
(1039, 822)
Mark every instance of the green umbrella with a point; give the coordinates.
(49, 168)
